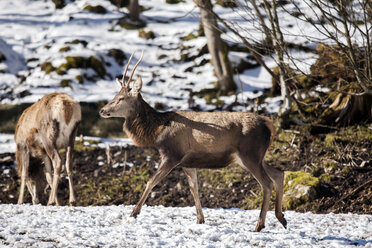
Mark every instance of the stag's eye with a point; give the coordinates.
(121, 98)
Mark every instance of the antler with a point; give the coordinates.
(125, 70)
(134, 68)
(122, 83)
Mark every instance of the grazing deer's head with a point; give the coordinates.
(124, 103)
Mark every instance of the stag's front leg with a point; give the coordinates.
(192, 178)
(163, 170)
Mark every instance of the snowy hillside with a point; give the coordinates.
(34, 35)
(38, 226)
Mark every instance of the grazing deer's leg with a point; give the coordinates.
(33, 191)
(57, 166)
(192, 178)
(48, 171)
(277, 177)
(23, 158)
(163, 170)
(69, 174)
(266, 184)
(48, 175)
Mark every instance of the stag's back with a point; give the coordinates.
(218, 132)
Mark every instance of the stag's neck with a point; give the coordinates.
(145, 125)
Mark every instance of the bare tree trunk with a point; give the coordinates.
(134, 10)
(278, 42)
(217, 48)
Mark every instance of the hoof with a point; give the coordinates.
(259, 227)
(201, 221)
(134, 214)
(284, 222)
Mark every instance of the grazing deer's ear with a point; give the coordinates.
(137, 86)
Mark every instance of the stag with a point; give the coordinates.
(193, 140)
(43, 128)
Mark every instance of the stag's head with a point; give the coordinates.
(125, 102)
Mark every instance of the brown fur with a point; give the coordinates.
(193, 140)
(42, 129)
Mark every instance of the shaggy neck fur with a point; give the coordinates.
(144, 126)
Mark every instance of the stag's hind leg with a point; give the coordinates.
(277, 176)
(192, 178)
(266, 184)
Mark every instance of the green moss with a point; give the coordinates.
(47, 67)
(190, 36)
(77, 41)
(65, 49)
(146, 34)
(84, 63)
(59, 3)
(226, 3)
(61, 70)
(98, 66)
(120, 3)
(299, 188)
(129, 25)
(327, 178)
(76, 62)
(79, 146)
(80, 79)
(118, 55)
(65, 83)
(98, 9)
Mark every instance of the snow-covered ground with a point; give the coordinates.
(111, 226)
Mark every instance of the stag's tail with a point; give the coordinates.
(269, 123)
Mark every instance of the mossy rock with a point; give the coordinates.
(77, 41)
(2, 57)
(173, 1)
(84, 63)
(118, 55)
(120, 3)
(226, 3)
(299, 188)
(76, 62)
(65, 83)
(146, 34)
(130, 25)
(98, 66)
(47, 67)
(65, 49)
(98, 9)
(59, 3)
(79, 79)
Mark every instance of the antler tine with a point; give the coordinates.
(134, 68)
(126, 69)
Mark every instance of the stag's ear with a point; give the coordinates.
(137, 86)
(119, 83)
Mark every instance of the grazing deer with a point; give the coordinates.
(194, 140)
(43, 128)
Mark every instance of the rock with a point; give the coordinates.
(299, 188)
